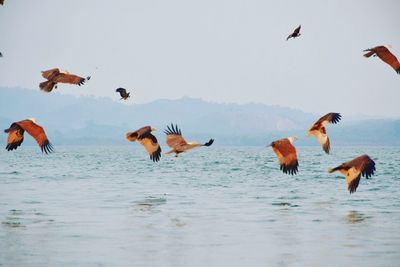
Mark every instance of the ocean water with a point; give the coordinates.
(217, 206)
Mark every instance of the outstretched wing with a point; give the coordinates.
(364, 164)
(120, 90)
(69, 78)
(15, 136)
(322, 138)
(353, 176)
(287, 156)
(50, 74)
(329, 118)
(174, 137)
(385, 55)
(297, 30)
(37, 133)
(151, 145)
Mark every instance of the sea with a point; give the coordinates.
(213, 206)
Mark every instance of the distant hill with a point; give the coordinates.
(93, 120)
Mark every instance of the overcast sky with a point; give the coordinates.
(221, 51)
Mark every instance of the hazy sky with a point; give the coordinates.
(222, 51)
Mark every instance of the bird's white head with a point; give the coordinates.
(153, 129)
(33, 120)
(388, 46)
(292, 139)
(66, 72)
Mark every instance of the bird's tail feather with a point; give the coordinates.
(47, 86)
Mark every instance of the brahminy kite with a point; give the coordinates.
(319, 130)
(354, 169)
(147, 140)
(16, 135)
(178, 144)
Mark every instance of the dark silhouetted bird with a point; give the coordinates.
(123, 93)
(295, 33)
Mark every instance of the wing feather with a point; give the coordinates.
(386, 56)
(151, 145)
(15, 138)
(175, 139)
(50, 74)
(38, 134)
(69, 78)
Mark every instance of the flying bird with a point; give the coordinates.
(319, 130)
(178, 144)
(147, 140)
(1, 2)
(354, 169)
(124, 94)
(385, 55)
(295, 33)
(16, 135)
(54, 76)
(286, 153)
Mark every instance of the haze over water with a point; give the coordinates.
(231, 206)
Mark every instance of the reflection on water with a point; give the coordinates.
(354, 217)
(112, 206)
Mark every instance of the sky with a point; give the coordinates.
(225, 51)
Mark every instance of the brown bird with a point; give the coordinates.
(54, 76)
(286, 153)
(16, 135)
(147, 140)
(178, 143)
(385, 55)
(353, 169)
(295, 33)
(123, 93)
(1, 2)
(319, 130)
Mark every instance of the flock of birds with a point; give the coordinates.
(284, 148)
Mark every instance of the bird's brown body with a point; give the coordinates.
(354, 169)
(149, 141)
(54, 76)
(385, 55)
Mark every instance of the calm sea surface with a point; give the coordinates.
(217, 206)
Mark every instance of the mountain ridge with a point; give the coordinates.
(99, 120)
